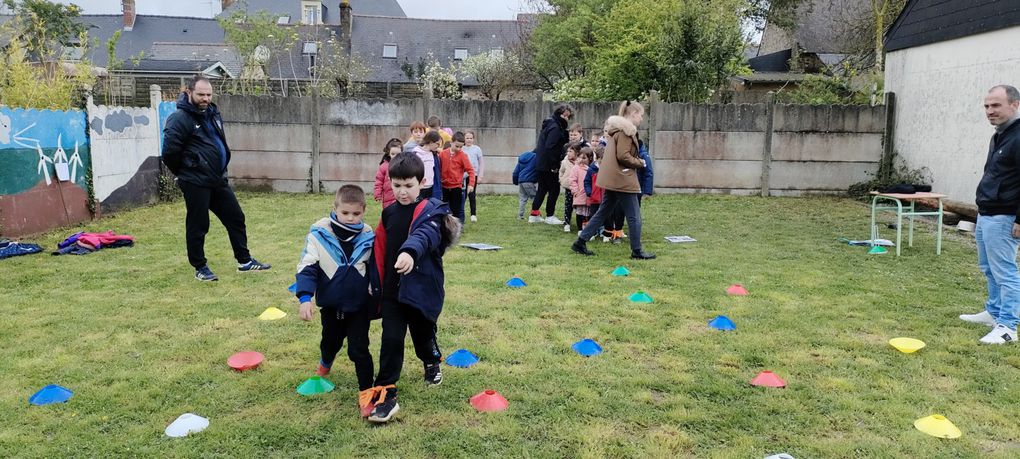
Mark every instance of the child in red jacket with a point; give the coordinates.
(382, 191)
(454, 163)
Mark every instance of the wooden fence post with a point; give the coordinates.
(316, 182)
(885, 168)
(766, 154)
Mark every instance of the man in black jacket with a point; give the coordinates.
(998, 230)
(548, 154)
(195, 150)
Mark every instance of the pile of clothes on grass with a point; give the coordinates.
(10, 249)
(86, 243)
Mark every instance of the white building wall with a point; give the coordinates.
(940, 90)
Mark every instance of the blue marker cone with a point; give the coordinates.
(640, 297)
(461, 358)
(722, 323)
(293, 288)
(621, 271)
(515, 282)
(587, 347)
(50, 394)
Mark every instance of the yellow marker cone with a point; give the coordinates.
(937, 425)
(906, 345)
(272, 314)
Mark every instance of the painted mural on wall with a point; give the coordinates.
(125, 161)
(44, 160)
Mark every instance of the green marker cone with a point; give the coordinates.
(621, 271)
(877, 250)
(640, 297)
(315, 385)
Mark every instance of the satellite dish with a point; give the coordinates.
(261, 54)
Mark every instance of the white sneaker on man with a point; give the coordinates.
(999, 335)
(474, 219)
(566, 228)
(535, 219)
(553, 220)
(983, 318)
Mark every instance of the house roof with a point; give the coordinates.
(924, 22)
(820, 27)
(416, 38)
(204, 52)
(330, 9)
(778, 61)
(147, 30)
(209, 67)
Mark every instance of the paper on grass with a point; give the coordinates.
(881, 242)
(676, 239)
(481, 246)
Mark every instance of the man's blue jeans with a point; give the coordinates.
(997, 249)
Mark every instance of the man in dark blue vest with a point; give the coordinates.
(195, 150)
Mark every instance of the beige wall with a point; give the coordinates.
(940, 88)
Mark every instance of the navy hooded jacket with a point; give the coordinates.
(195, 146)
(525, 172)
(424, 287)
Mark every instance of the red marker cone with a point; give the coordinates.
(489, 401)
(768, 379)
(736, 290)
(245, 360)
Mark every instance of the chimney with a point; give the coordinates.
(224, 4)
(129, 14)
(345, 25)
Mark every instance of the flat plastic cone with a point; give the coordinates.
(937, 425)
(736, 290)
(722, 323)
(187, 423)
(780, 456)
(587, 347)
(245, 360)
(292, 288)
(906, 345)
(51, 394)
(877, 250)
(768, 379)
(315, 385)
(488, 401)
(515, 282)
(640, 297)
(462, 358)
(621, 271)
(272, 314)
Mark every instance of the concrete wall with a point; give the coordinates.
(940, 89)
(125, 155)
(696, 148)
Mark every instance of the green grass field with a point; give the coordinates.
(141, 342)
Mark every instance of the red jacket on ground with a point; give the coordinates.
(454, 165)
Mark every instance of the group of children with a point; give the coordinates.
(578, 176)
(394, 273)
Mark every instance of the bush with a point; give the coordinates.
(897, 174)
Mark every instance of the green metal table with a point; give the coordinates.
(898, 205)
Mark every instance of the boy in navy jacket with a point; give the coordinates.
(526, 178)
(338, 269)
(412, 236)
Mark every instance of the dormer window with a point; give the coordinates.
(311, 13)
(460, 54)
(389, 51)
(283, 20)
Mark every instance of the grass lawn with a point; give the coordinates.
(141, 342)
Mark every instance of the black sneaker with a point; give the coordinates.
(581, 248)
(642, 255)
(205, 274)
(385, 410)
(433, 374)
(253, 265)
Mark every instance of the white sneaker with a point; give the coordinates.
(566, 228)
(553, 220)
(474, 218)
(535, 219)
(622, 234)
(606, 238)
(983, 318)
(999, 335)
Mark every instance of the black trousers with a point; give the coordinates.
(548, 183)
(397, 318)
(199, 201)
(455, 198)
(354, 326)
(568, 205)
(471, 197)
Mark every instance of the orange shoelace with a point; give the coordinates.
(372, 396)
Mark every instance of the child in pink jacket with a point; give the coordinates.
(582, 209)
(382, 191)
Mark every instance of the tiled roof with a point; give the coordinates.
(821, 26)
(931, 21)
(330, 9)
(204, 52)
(146, 31)
(415, 38)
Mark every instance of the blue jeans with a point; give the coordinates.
(997, 249)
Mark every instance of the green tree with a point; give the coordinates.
(27, 85)
(495, 72)
(560, 45)
(335, 73)
(257, 39)
(44, 27)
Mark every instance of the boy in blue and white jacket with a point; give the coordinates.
(526, 178)
(338, 268)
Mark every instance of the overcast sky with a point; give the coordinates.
(446, 9)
